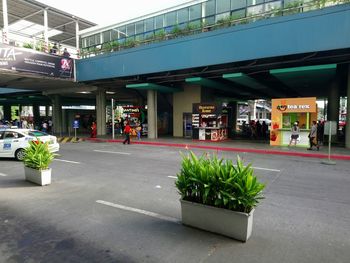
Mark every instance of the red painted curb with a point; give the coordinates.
(230, 149)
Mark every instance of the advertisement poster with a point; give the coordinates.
(30, 61)
(202, 134)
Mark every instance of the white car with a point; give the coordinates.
(14, 140)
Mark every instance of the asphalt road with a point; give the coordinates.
(118, 203)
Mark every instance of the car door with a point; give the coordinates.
(12, 141)
(2, 152)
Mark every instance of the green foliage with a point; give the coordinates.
(217, 182)
(160, 34)
(38, 156)
(28, 45)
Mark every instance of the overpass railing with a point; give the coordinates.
(182, 30)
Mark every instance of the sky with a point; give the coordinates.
(107, 12)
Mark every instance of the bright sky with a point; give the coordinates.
(107, 12)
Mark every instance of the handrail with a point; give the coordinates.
(227, 22)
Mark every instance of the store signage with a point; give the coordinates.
(131, 110)
(206, 108)
(30, 61)
(293, 107)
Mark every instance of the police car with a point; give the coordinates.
(14, 140)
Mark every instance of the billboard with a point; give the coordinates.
(30, 61)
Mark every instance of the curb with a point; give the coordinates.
(68, 139)
(230, 149)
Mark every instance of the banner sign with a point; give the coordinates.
(30, 61)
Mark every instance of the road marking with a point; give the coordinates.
(174, 177)
(266, 169)
(1, 174)
(139, 211)
(66, 161)
(111, 152)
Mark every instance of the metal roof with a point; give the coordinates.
(32, 11)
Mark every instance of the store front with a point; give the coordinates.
(209, 122)
(286, 112)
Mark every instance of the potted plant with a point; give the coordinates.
(36, 163)
(218, 196)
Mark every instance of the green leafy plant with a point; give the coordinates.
(217, 182)
(38, 156)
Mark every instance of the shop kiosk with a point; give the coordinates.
(209, 122)
(285, 112)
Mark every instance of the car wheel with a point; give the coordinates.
(19, 154)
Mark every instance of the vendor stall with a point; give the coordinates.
(286, 112)
(210, 122)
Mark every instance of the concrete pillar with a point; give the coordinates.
(77, 38)
(101, 111)
(347, 129)
(36, 115)
(7, 112)
(5, 30)
(46, 31)
(182, 103)
(57, 115)
(333, 102)
(152, 114)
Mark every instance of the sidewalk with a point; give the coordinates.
(258, 147)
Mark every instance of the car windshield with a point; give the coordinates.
(37, 133)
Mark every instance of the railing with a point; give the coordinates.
(39, 45)
(177, 31)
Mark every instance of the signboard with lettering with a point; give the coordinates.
(203, 108)
(31, 61)
(131, 110)
(294, 105)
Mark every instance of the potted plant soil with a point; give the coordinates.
(218, 196)
(36, 163)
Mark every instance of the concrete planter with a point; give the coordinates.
(229, 223)
(40, 177)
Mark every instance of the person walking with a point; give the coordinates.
(93, 130)
(138, 131)
(312, 136)
(127, 131)
(295, 134)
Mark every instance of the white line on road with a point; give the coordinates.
(174, 177)
(66, 161)
(1, 174)
(139, 211)
(266, 169)
(111, 152)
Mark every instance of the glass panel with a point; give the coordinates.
(210, 20)
(149, 24)
(210, 8)
(84, 42)
(114, 34)
(159, 21)
(253, 10)
(273, 6)
(92, 41)
(236, 4)
(122, 32)
(238, 14)
(222, 6)
(195, 12)
(106, 36)
(222, 16)
(170, 19)
(254, 2)
(139, 27)
(149, 35)
(182, 15)
(139, 37)
(130, 29)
